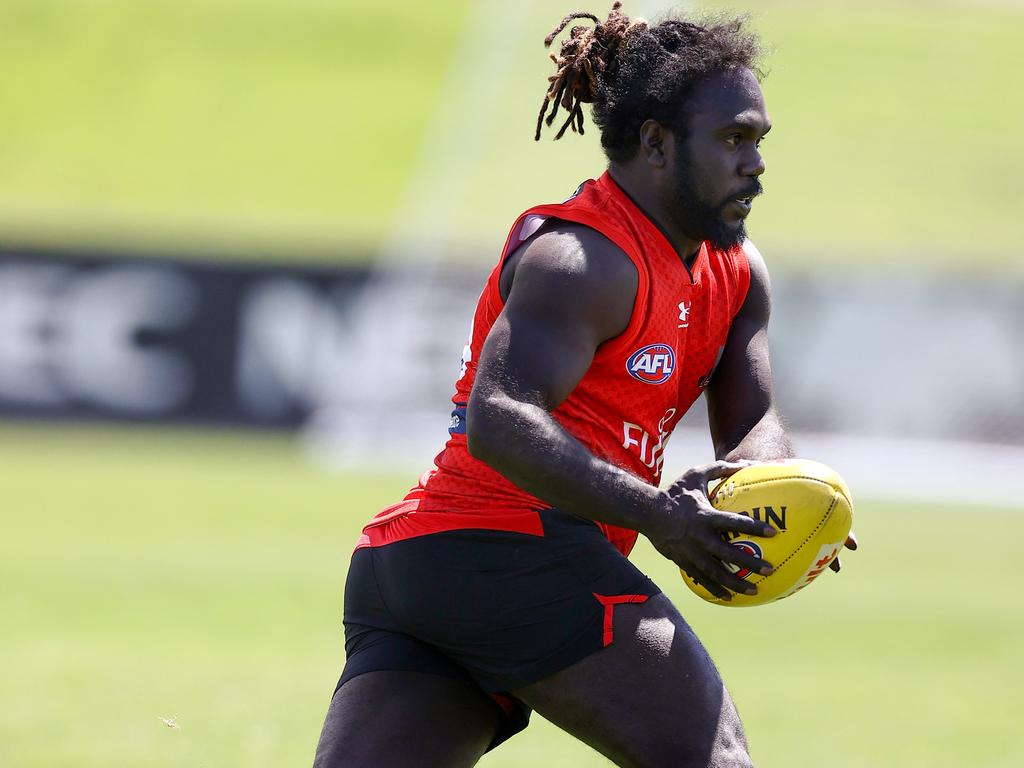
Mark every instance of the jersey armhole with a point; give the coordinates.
(530, 222)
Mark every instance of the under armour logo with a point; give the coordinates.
(684, 314)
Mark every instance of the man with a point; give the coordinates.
(500, 584)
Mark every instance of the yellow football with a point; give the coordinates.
(807, 503)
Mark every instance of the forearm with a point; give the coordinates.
(767, 440)
(527, 445)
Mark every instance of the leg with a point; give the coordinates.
(651, 698)
(414, 719)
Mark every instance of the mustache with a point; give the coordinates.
(753, 190)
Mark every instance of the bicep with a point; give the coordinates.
(534, 357)
(570, 293)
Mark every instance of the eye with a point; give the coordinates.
(734, 139)
(760, 141)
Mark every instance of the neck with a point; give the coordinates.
(644, 195)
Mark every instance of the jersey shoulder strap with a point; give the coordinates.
(594, 204)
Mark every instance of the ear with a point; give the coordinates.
(655, 142)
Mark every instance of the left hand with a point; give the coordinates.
(851, 544)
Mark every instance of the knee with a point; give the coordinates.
(722, 755)
(703, 743)
(730, 747)
(732, 754)
(672, 756)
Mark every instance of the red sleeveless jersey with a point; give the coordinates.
(624, 408)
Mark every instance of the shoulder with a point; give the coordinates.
(573, 269)
(574, 249)
(755, 261)
(759, 289)
(569, 254)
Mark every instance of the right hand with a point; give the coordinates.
(688, 530)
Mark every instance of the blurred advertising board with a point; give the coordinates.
(373, 351)
(97, 336)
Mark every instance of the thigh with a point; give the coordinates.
(508, 608)
(398, 718)
(652, 697)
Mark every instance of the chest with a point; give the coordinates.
(674, 354)
(682, 338)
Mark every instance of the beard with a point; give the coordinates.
(703, 220)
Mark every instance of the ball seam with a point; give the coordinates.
(821, 524)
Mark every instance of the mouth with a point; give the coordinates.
(742, 205)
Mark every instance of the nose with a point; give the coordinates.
(753, 165)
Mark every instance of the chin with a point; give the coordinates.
(727, 236)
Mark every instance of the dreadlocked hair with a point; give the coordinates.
(632, 71)
(588, 53)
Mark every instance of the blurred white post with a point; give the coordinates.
(408, 325)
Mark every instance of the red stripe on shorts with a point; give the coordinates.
(504, 701)
(609, 602)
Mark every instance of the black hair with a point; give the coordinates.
(631, 71)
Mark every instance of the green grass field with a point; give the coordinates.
(275, 128)
(148, 575)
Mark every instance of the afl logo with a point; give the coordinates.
(652, 364)
(751, 549)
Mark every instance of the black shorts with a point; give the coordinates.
(497, 608)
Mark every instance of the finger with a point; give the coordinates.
(851, 541)
(715, 589)
(739, 557)
(720, 469)
(710, 585)
(700, 475)
(731, 522)
(721, 575)
(835, 565)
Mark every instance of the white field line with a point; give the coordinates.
(456, 135)
(977, 474)
(974, 474)
(496, 35)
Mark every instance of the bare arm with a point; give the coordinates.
(745, 423)
(570, 291)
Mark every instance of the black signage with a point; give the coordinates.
(150, 339)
